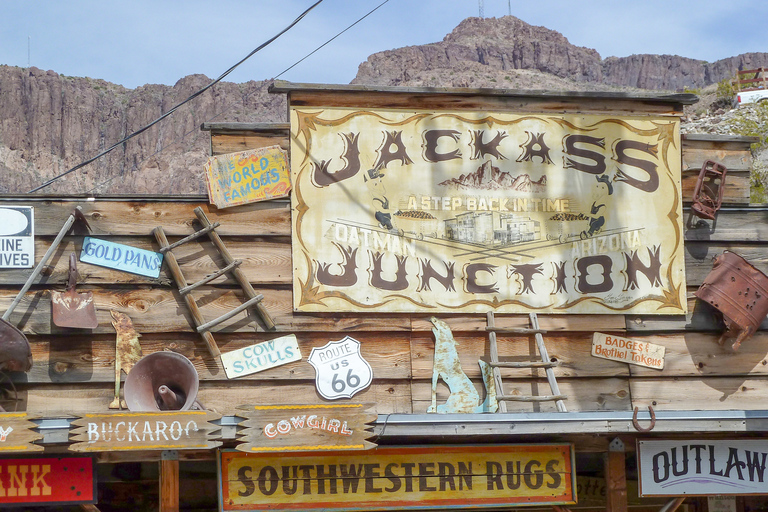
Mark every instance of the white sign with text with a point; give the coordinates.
(340, 370)
(17, 237)
(261, 356)
(702, 467)
(629, 351)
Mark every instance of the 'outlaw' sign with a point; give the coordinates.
(400, 478)
(290, 428)
(125, 431)
(702, 468)
(462, 211)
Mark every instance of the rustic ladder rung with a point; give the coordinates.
(545, 363)
(523, 364)
(531, 398)
(515, 330)
(210, 277)
(193, 236)
(229, 314)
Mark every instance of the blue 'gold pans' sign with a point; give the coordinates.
(121, 257)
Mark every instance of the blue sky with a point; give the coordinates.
(137, 42)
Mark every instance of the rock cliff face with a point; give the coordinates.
(499, 46)
(50, 123)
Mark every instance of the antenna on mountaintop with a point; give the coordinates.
(29, 44)
(480, 8)
(509, 4)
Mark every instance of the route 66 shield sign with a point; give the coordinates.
(340, 370)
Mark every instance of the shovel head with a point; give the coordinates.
(15, 352)
(72, 309)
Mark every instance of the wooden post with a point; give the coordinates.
(169, 481)
(616, 477)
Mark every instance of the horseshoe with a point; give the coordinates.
(636, 424)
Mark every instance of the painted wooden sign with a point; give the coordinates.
(438, 212)
(400, 478)
(126, 431)
(702, 467)
(291, 428)
(261, 356)
(121, 257)
(17, 434)
(340, 370)
(47, 481)
(247, 176)
(616, 348)
(17, 237)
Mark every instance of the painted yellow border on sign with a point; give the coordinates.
(400, 478)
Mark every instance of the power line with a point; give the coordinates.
(226, 109)
(173, 109)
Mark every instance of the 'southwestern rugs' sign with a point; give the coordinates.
(121, 257)
(247, 176)
(616, 348)
(421, 211)
(17, 237)
(706, 467)
(305, 428)
(400, 478)
(261, 356)
(47, 480)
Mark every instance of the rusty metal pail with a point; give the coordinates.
(740, 292)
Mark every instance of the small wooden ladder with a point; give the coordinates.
(545, 363)
(232, 267)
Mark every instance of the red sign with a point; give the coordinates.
(50, 480)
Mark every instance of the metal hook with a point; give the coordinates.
(636, 424)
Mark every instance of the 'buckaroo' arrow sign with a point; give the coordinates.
(125, 431)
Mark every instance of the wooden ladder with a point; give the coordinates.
(545, 363)
(232, 268)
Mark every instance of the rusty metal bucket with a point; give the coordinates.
(72, 309)
(740, 292)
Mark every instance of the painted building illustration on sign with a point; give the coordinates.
(416, 211)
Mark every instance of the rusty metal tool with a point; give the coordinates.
(15, 352)
(72, 309)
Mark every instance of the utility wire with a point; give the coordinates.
(173, 109)
(226, 109)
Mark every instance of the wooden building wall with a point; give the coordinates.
(73, 370)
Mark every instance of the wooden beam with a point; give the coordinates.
(169, 482)
(616, 477)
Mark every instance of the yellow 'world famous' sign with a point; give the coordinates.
(247, 176)
(415, 211)
(400, 478)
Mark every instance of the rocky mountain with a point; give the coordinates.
(50, 122)
(488, 51)
(490, 177)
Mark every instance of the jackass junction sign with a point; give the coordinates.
(414, 211)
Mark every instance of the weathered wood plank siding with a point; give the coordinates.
(74, 372)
